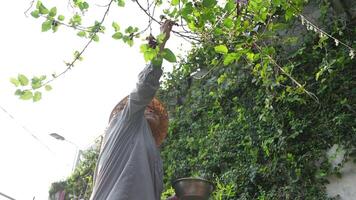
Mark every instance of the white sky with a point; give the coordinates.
(79, 105)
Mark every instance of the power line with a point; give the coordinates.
(26, 129)
(6, 196)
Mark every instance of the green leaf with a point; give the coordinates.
(86, 5)
(75, 20)
(228, 23)
(187, 10)
(209, 16)
(42, 9)
(55, 28)
(43, 77)
(209, 3)
(81, 33)
(121, 3)
(96, 38)
(130, 42)
(221, 49)
(53, 12)
(77, 55)
(289, 14)
(250, 56)
(38, 4)
(48, 88)
(149, 55)
(168, 55)
(218, 31)
(148, 52)
(26, 95)
(61, 17)
(83, 6)
(230, 5)
(222, 78)
(229, 58)
(160, 38)
(23, 79)
(175, 2)
(18, 92)
(117, 36)
(116, 26)
(144, 48)
(36, 83)
(129, 29)
(277, 26)
(157, 62)
(15, 81)
(35, 13)
(37, 96)
(46, 25)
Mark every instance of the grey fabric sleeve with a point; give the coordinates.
(141, 96)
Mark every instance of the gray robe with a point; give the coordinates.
(129, 165)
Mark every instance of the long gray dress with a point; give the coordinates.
(129, 165)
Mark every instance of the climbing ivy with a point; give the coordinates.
(79, 184)
(265, 91)
(256, 109)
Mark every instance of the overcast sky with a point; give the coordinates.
(79, 105)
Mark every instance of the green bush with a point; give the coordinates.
(79, 184)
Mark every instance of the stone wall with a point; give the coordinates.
(344, 186)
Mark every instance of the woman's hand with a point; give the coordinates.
(166, 29)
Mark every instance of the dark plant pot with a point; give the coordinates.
(193, 188)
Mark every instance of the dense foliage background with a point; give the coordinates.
(267, 89)
(249, 126)
(79, 184)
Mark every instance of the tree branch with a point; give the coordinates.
(70, 65)
(158, 22)
(312, 95)
(31, 4)
(81, 28)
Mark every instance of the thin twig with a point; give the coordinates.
(153, 14)
(144, 10)
(103, 6)
(149, 26)
(70, 65)
(181, 18)
(187, 36)
(71, 6)
(31, 4)
(325, 33)
(312, 95)
(303, 17)
(210, 70)
(81, 28)
(219, 21)
(149, 12)
(158, 22)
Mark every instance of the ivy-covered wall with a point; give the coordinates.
(250, 127)
(79, 184)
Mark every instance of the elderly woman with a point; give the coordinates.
(129, 165)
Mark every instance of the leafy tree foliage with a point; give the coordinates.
(79, 184)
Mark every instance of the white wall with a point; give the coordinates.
(344, 187)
